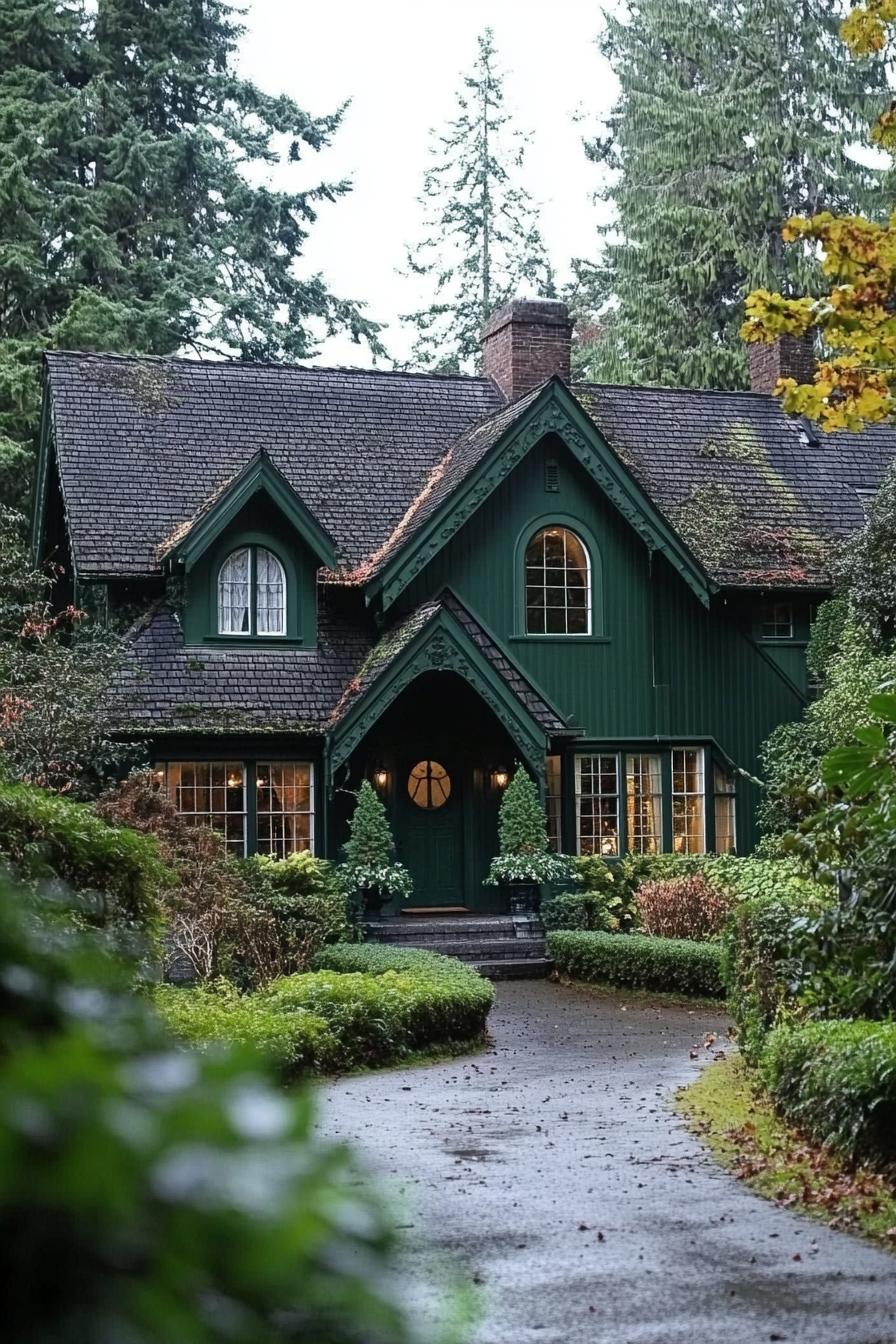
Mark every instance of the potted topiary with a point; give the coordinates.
(526, 860)
(370, 874)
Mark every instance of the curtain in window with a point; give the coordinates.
(270, 594)
(233, 594)
(644, 787)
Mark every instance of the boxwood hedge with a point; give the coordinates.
(836, 1080)
(365, 1005)
(635, 961)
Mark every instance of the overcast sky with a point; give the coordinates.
(400, 62)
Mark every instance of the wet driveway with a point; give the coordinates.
(550, 1172)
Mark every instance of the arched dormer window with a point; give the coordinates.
(558, 583)
(251, 593)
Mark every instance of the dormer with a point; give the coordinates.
(249, 561)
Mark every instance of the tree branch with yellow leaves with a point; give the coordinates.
(855, 383)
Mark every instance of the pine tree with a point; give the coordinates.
(483, 245)
(733, 115)
(522, 824)
(370, 843)
(130, 218)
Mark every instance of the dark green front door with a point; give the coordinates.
(430, 830)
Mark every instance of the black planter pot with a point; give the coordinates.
(525, 898)
(372, 901)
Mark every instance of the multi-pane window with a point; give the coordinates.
(251, 593)
(776, 620)
(597, 804)
(558, 584)
(210, 793)
(725, 809)
(217, 794)
(553, 799)
(688, 801)
(284, 807)
(644, 803)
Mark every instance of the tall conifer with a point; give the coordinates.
(732, 116)
(482, 243)
(131, 218)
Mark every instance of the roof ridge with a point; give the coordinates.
(279, 365)
(691, 391)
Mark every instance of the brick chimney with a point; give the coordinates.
(526, 342)
(784, 357)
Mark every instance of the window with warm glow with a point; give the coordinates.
(644, 803)
(597, 805)
(210, 793)
(688, 801)
(284, 807)
(429, 784)
(558, 584)
(553, 799)
(725, 810)
(216, 794)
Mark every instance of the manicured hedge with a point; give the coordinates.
(837, 1081)
(44, 836)
(638, 962)
(366, 1005)
(760, 963)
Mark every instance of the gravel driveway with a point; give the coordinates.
(550, 1171)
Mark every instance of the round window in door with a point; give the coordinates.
(429, 784)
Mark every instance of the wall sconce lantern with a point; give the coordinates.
(380, 777)
(500, 779)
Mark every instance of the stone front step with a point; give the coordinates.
(498, 946)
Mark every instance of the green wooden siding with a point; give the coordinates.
(665, 668)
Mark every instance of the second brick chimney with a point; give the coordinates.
(784, 357)
(526, 342)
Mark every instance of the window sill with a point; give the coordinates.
(559, 639)
(255, 642)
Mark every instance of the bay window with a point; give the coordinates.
(597, 805)
(688, 801)
(644, 803)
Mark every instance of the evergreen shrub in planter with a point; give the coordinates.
(525, 861)
(370, 874)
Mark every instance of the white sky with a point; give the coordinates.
(400, 62)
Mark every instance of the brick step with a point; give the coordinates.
(424, 931)
(524, 969)
(490, 949)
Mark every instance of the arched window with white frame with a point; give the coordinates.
(558, 583)
(251, 593)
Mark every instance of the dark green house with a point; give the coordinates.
(419, 579)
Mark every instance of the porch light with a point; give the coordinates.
(380, 777)
(500, 779)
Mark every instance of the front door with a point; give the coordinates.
(430, 831)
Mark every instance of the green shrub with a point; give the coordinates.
(218, 1013)
(148, 1193)
(583, 910)
(837, 1081)
(761, 964)
(301, 894)
(44, 837)
(636, 961)
(689, 907)
(366, 1005)
(755, 878)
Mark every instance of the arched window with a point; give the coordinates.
(251, 593)
(558, 583)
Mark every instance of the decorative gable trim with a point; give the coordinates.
(554, 411)
(259, 476)
(440, 646)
